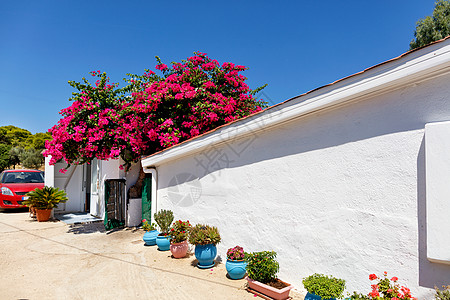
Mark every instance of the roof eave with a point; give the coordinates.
(412, 67)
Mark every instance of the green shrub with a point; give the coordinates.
(442, 294)
(358, 296)
(147, 226)
(203, 235)
(324, 286)
(262, 266)
(179, 231)
(45, 198)
(164, 219)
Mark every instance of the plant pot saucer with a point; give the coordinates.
(206, 266)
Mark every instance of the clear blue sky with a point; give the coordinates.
(294, 46)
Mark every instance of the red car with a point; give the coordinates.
(14, 184)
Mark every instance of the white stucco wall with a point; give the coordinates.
(72, 186)
(110, 170)
(107, 170)
(340, 191)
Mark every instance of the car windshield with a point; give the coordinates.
(23, 177)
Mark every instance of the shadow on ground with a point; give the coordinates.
(86, 228)
(13, 210)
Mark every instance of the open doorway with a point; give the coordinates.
(87, 187)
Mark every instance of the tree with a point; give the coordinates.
(4, 139)
(4, 156)
(434, 27)
(17, 140)
(15, 135)
(31, 158)
(37, 141)
(14, 156)
(152, 112)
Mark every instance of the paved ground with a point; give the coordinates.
(53, 260)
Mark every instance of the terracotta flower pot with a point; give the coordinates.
(267, 290)
(32, 211)
(43, 215)
(179, 250)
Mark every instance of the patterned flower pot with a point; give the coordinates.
(236, 268)
(179, 250)
(150, 237)
(163, 242)
(205, 255)
(269, 291)
(43, 215)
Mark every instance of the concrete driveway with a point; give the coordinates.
(52, 260)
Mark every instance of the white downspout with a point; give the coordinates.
(154, 172)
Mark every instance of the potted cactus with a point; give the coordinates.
(164, 219)
(205, 238)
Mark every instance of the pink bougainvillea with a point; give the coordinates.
(152, 112)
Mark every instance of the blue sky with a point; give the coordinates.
(294, 46)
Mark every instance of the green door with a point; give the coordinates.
(147, 198)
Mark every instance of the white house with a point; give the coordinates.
(349, 179)
(86, 189)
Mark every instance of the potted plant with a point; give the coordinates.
(443, 294)
(150, 233)
(385, 288)
(178, 238)
(44, 200)
(236, 264)
(262, 268)
(321, 286)
(205, 238)
(31, 206)
(164, 219)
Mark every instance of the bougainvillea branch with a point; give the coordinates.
(152, 112)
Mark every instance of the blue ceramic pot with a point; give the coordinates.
(236, 268)
(205, 255)
(163, 242)
(310, 296)
(150, 237)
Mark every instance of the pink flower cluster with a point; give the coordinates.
(236, 253)
(152, 113)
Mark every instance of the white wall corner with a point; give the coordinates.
(49, 173)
